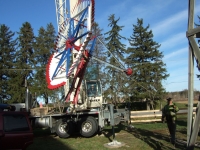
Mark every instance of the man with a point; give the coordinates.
(169, 113)
(92, 91)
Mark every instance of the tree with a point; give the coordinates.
(43, 49)
(24, 63)
(117, 50)
(94, 67)
(198, 41)
(146, 60)
(7, 51)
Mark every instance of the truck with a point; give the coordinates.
(86, 112)
(15, 127)
(88, 122)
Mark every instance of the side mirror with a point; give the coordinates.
(1, 133)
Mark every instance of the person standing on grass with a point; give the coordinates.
(169, 113)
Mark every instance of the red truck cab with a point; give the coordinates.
(15, 130)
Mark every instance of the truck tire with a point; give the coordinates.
(88, 126)
(64, 128)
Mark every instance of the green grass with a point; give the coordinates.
(181, 105)
(144, 136)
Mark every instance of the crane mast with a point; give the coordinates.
(70, 36)
(61, 15)
(74, 36)
(61, 12)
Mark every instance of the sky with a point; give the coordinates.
(168, 19)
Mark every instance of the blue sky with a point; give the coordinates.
(167, 19)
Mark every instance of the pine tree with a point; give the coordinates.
(198, 41)
(43, 49)
(115, 57)
(24, 63)
(146, 60)
(94, 67)
(7, 50)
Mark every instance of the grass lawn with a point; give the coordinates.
(144, 136)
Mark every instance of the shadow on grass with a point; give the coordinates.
(154, 139)
(48, 142)
(181, 123)
(44, 139)
(108, 131)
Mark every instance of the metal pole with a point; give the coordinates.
(27, 101)
(112, 122)
(113, 130)
(195, 130)
(190, 72)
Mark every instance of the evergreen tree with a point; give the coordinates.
(7, 51)
(94, 67)
(146, 60)
(24, 63)
(198, 41)
(43, 49)
(115, 83)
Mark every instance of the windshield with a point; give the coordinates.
(93, 89)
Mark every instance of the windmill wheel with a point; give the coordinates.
(73, 37)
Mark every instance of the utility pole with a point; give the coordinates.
(192, 33)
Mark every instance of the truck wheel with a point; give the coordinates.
(88, 126)
(64, 128)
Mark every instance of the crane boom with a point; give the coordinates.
(127, 71)
(99, 60)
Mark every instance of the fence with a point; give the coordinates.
(152, 115)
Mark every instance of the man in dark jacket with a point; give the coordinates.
(92, 91)
(169, 113)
